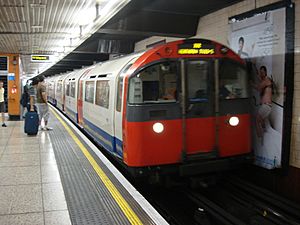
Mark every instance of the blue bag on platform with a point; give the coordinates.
(31, 123)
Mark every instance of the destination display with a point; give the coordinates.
(40, 58)
(196, 49)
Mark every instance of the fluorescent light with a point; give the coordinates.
(37, 5)
(37, 26)
(86, 16)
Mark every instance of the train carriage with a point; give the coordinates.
(181, 107)
(101, 116)
(175, 110)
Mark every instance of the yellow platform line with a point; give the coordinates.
(127, 210)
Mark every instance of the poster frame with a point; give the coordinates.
(289, 71)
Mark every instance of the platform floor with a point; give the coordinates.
(59, 178)
(30, 186)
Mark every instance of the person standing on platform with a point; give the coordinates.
(25, 100)
(32, 94)
(2, 104)
(42, 104)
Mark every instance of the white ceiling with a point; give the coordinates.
(51, 27)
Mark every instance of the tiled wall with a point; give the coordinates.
(215, 26)
(141, 45)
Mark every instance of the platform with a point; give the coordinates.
(60, 177)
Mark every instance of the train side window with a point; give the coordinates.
(102, 93)
(72, 89)
(155, 84)
(197, 80)
(89, 91)
(68, 89)
(59, 87)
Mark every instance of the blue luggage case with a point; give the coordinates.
(31, 123)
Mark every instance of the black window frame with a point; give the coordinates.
(178, 88)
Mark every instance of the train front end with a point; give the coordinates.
(187, 110)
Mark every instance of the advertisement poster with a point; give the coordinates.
(260, 39)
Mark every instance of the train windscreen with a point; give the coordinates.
(155, 84)
(233, 81)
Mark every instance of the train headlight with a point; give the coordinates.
(158, 127)
(234, 121)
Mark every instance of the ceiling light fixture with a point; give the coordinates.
(33, 5)
(37, 26)
(109, 9)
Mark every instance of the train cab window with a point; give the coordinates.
(197, 80)
(89, 91)
(233, 81)
(102, 93)
(155, 84)
(72, 89)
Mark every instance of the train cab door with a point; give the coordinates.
(198, 108)
(234, 122)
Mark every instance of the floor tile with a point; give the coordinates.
(46, 147)
(48, 158)
(1, 150)
(28, 159)
(28, 175)
(3, 142)
(27, 198)
(50, 174)
(6, 198)
(22, 141)
(53, 196)
(8, 176)
(20, 175)
(57, 218)
(14, 149)
(5, 135)
(23, 219)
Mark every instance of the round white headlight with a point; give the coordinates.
(158, 127)
(234, 121)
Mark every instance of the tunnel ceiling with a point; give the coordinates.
(138, 20)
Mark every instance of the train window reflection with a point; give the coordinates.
(102, 93)
(68, 89)
(72, 89)
(59, 86)
(155, 84)
(233, 81)
(197, 74)
(89, 91)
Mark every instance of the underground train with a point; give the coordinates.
(179, 108)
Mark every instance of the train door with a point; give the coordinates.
(118, 130)
(234, 109)
(79, 102)
(80, 97)
(198, 108)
